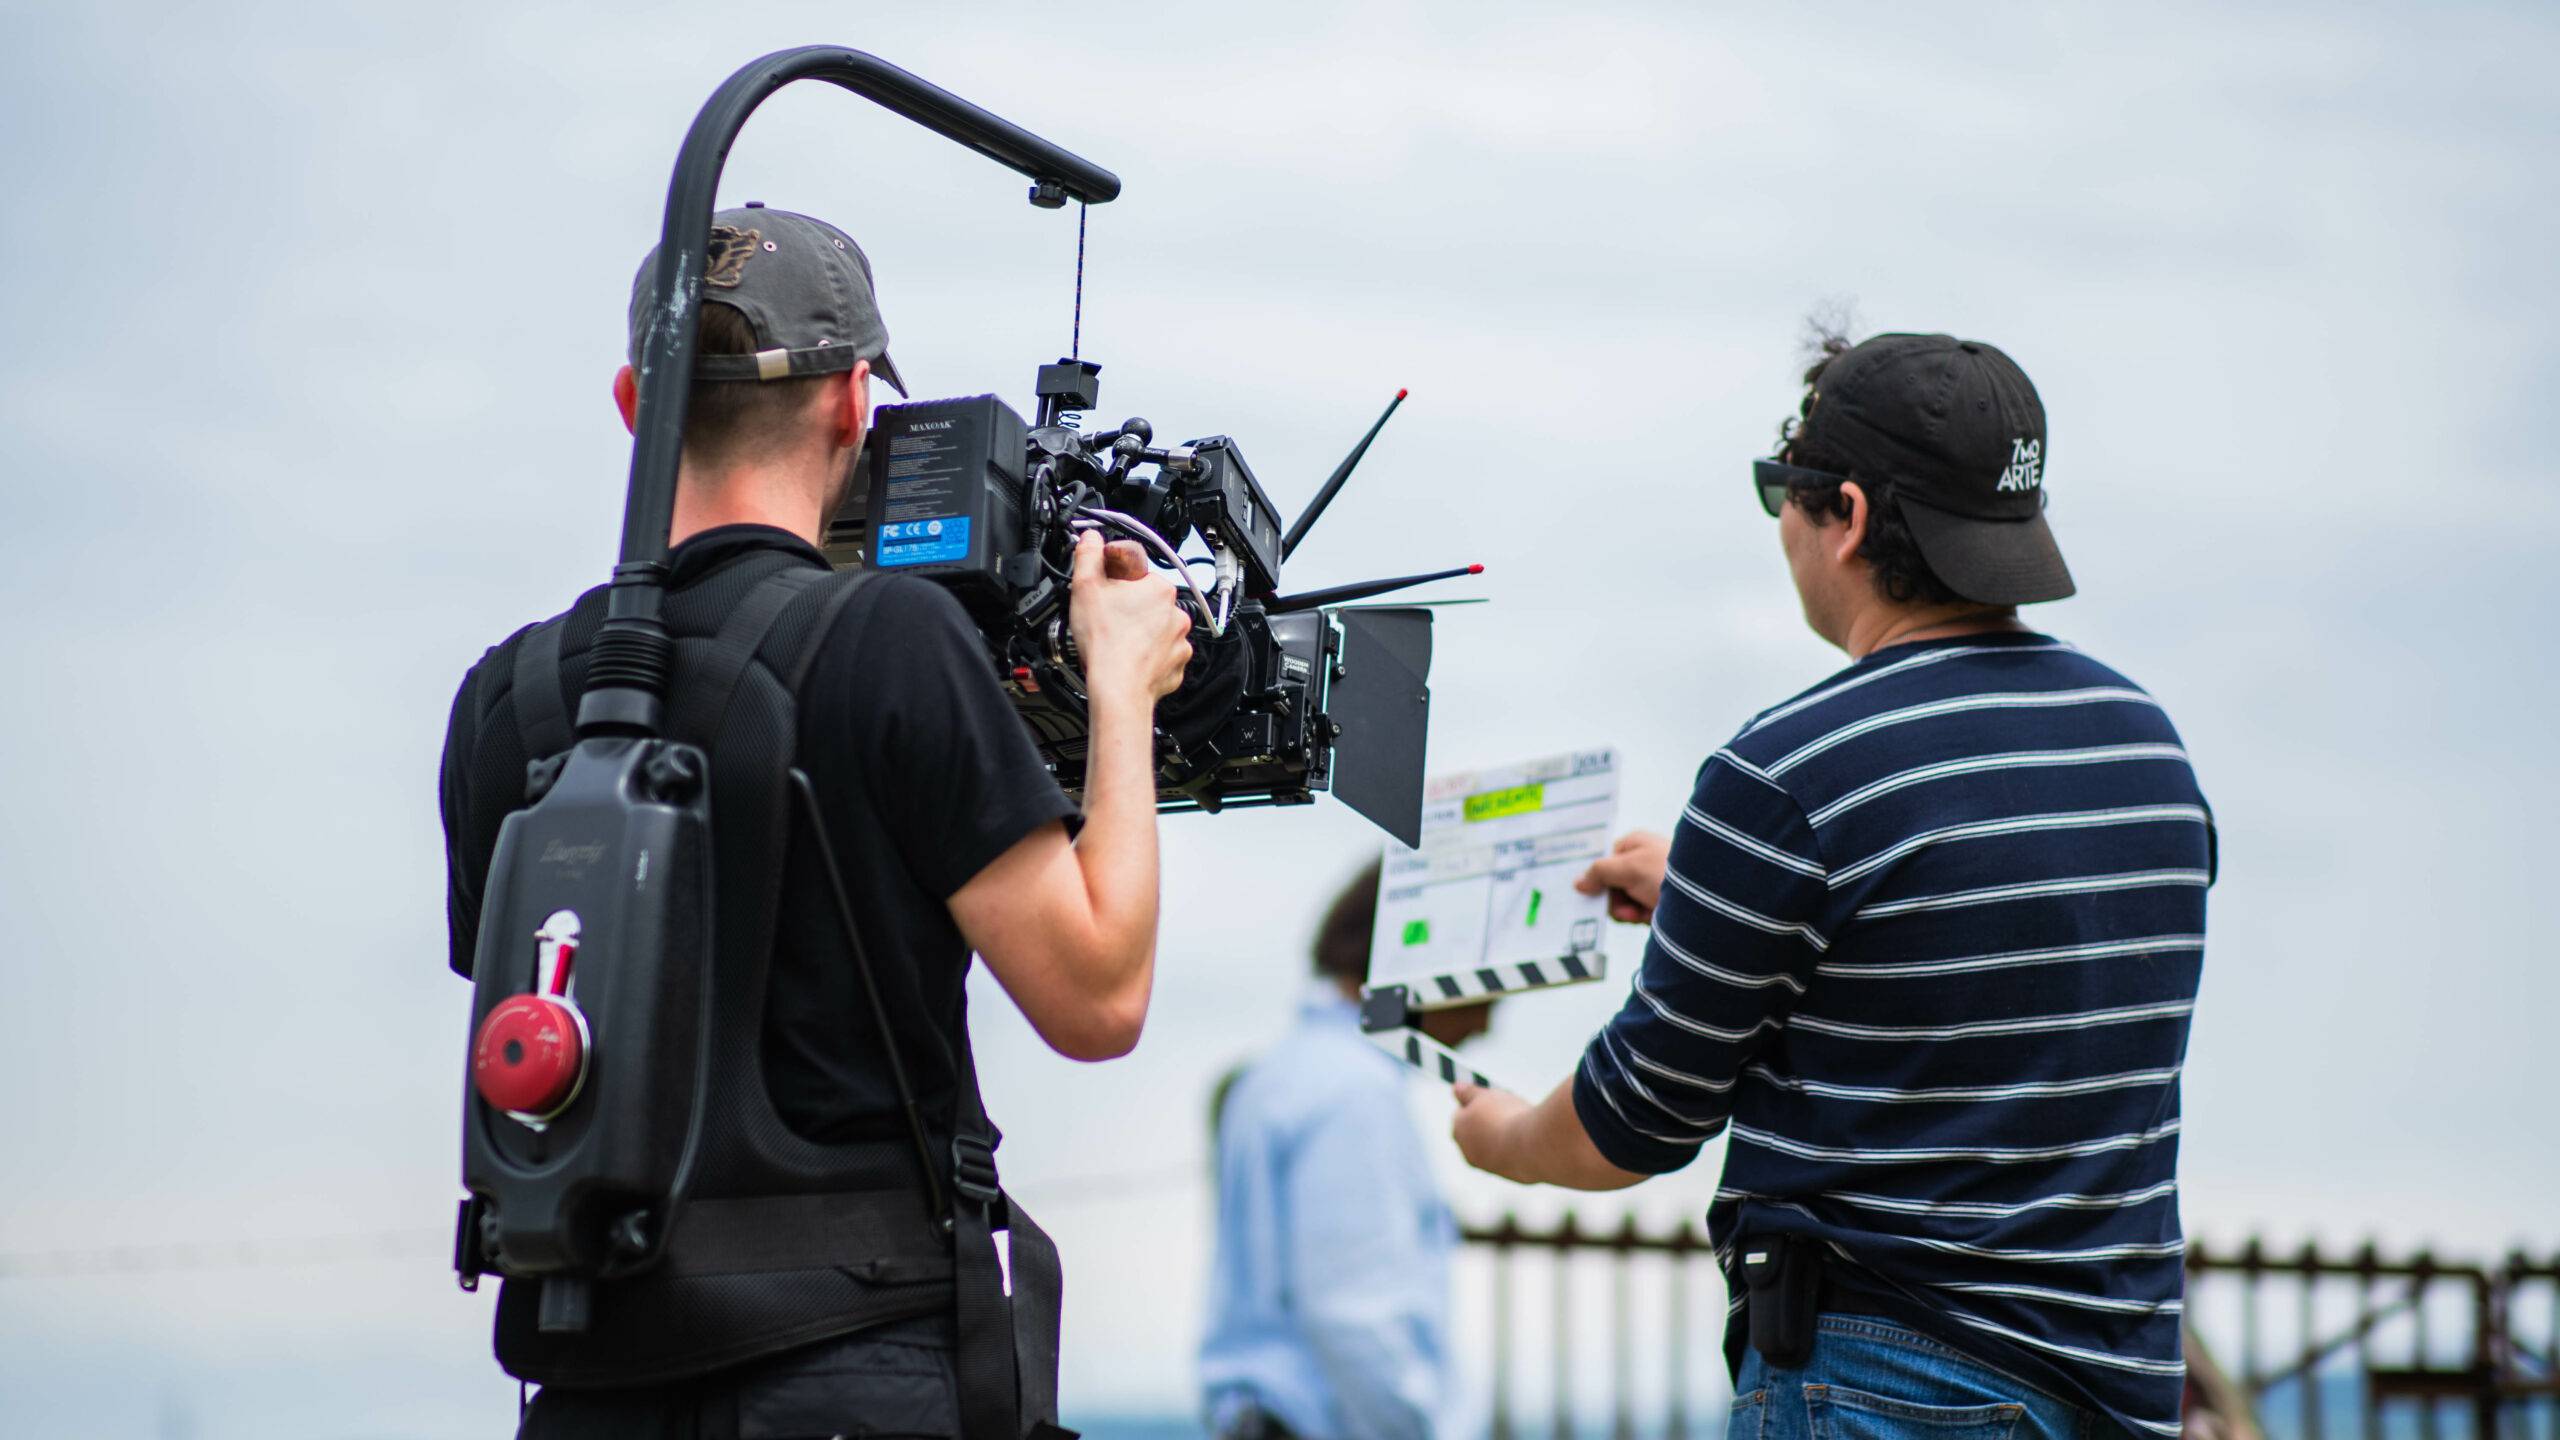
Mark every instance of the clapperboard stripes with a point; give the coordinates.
(1488, 981)
(1430, 1057)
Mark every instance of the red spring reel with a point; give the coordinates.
(530, 1057)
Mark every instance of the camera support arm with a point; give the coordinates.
(628, 669)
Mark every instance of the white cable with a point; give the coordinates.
(1230, 584)
(1139, 530)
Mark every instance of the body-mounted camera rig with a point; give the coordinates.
(598, 1008)
(616, 1004)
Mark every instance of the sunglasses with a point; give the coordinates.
(1774, 478)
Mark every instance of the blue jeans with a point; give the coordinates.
(1873, 1380)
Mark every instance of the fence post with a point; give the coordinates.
(2422, 1284)
(2253, 1261)
(2310, 1381)
(1503, 1259)
(2486, 1352)
(1568, 1238)
(1677, 1428)
(2368, 1265)
(1622, 1352)
(2552, 1348)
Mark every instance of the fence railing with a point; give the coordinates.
(1686, 1348)
(2417, 1347)
(2420, 1346)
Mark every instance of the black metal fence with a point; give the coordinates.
(2378, 1347)
(1691, 1352)
(2302, 1344)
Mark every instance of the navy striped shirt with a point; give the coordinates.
(1927, 949)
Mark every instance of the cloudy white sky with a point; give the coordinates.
(309, 314)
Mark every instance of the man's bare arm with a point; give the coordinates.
(1541, 1144)
(1070, 929)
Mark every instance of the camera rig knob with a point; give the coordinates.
(673, 774)
(530, 1058)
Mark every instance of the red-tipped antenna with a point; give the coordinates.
(1361, 590)
(1306, 520)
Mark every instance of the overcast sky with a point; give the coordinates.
(310, 313)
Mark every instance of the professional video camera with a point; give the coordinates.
(1287, 695)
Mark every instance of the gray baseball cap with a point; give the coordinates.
(804, 287)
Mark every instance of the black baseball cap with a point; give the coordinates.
(804, 287)
(1957, 428)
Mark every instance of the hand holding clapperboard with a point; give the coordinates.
(1485, 906)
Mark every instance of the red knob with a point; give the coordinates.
(530, 1055)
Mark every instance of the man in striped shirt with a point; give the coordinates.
(1924, 945)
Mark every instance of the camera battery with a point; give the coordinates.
(947, 490)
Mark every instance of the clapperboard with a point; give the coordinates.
(1485, 905)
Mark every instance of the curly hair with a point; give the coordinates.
(1902, 575)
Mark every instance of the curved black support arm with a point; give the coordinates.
(626, 679)
(666, 348)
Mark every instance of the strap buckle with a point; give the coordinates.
(973, 1169)
(470, 1248)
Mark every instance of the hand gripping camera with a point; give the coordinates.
(1286, 695)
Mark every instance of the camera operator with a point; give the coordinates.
(1925, 947)
(953, 836)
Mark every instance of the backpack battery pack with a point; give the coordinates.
(589, 1013)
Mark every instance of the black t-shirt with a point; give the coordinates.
(924, 774)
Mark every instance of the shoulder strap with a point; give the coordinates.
(702, 700)
(542, 709)
(1006, 1359)
(541, 701)
(794, 673)
(840, 587)
(1006, 1355)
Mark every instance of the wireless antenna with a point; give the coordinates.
(1306, 520)
(1360, 590)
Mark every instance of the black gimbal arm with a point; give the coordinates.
(627, 674)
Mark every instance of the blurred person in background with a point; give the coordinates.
(1329, 1293)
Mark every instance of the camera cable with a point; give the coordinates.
(1144, 534)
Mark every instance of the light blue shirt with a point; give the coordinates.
(1329, 1297)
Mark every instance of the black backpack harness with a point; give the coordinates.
(769, 1240)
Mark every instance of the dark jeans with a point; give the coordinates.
(889, 1381)
(1873, 1380)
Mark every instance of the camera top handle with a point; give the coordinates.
(627, 669)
